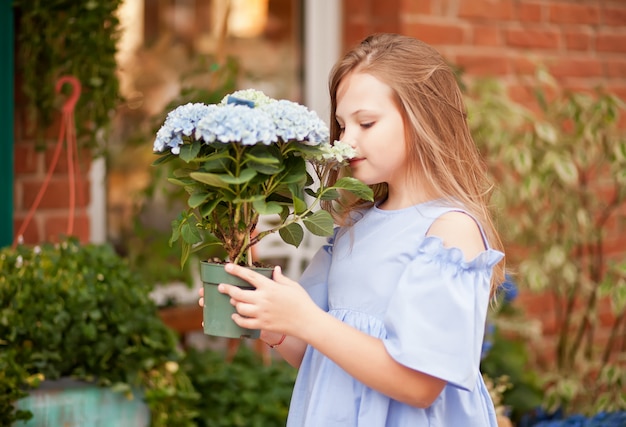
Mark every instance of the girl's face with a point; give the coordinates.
(371, 122)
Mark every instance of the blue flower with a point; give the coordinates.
(180, 121)
(247, 117)
(295, 122)
(236, 123)
(509, 288)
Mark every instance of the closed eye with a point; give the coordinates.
(367, 125)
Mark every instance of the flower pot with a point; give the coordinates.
(70, 403)
(217, 307)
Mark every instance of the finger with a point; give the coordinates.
(236, 293)
(279, 277)
(201, 302)
(250, 276)
(245, 322)
(244, 309)
(201, 291)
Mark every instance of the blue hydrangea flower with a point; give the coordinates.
(236, 123)
(267, 122)
(295, 122)
(180, 121)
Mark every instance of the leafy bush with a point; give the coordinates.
(72, 310)
(561, 176)
(241, 393)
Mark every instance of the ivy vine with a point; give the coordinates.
(69, 37)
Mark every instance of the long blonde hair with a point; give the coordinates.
(440, 146)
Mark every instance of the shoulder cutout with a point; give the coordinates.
(459, 230)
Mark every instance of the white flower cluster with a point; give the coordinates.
(339, 152)
(255, 96)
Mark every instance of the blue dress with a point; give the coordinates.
(384, 277)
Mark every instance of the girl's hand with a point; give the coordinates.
(276, 305)
(201, 299)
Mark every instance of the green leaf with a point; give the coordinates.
(299, 205)
(223, 181)
(245, 176)
(189, 151)
(292, 234)
(567, 172)
(330, 194)
(319, 223)
(207, 208)
(164, 158)
(177, 181)
(269, 208)
(190, 233)
(197, 199)
(295, 172)
(356, 187)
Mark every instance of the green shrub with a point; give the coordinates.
(241, 393)
(72, 310)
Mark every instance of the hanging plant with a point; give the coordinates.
(67, 37)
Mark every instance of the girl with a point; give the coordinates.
(386, 324)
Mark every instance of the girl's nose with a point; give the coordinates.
(350, 141)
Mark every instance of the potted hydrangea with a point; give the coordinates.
(243, 158)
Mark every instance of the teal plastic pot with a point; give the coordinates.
(218, 311)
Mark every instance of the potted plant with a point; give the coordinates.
(76, 323)
(243, 158)
(561, 171)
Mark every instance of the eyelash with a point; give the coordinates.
(363, 125)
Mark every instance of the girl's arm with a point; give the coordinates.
(283, 306)
(291, 349)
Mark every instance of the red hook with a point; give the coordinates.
(74, 94)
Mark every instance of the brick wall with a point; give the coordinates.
(33, 156)
(581, 42)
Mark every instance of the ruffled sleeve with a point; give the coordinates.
(436, 317)
(314, 279)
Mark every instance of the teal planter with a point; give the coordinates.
(217, 307)
(69, 403)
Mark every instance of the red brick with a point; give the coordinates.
(522, 94)
(524, 65)
(615, 16)
(385, 27)
(484, 65)
(56, 194)
(530, 12)
(57, 227)
(611, 42)
(354, 33)
(578, 40)
(569, 13)
(437, 33)
(386, 11)
(422, 7)
(355, 9)
(61, 166)
(487, 35)
(533, 39)
(618, 90)
(615, 67)
(486, 9)
(26, 158)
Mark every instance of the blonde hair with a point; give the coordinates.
(440, 146)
